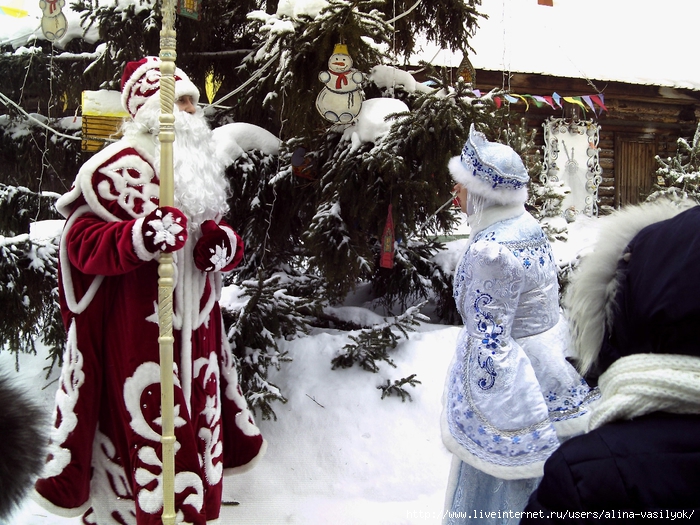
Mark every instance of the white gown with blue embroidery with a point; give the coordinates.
(510, 395)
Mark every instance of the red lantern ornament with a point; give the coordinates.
(386, 259)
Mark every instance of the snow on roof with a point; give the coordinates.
(633, 41)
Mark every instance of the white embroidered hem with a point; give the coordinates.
(58, 511)
(531, 470)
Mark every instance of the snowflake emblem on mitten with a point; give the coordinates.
(166, 230)
(219, 257)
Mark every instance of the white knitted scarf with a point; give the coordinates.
(643, 383)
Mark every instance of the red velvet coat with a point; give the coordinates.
(105, 450)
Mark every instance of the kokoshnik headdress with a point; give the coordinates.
(490, 170)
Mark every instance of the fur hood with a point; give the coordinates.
(22, 445)
(591, 295)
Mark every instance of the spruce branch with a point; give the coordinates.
(396, 388)
(373, 344)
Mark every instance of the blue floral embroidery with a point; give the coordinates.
(532, 250)
(491, 332)
(485, 323)
(487, 174)
(485, 383)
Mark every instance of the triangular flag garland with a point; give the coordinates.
(595, 103)
(13, 11)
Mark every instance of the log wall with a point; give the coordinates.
(641, 122)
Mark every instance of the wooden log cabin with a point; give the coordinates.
(641, 122)
(636, 57)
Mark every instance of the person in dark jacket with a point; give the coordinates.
(22, 445)
(634, 308)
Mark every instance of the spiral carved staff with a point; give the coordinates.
(166, 272)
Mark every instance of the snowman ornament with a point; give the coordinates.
(53, 21)
(341, 99)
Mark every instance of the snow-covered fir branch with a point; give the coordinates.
(373, 344)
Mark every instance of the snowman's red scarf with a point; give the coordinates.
(342, 78)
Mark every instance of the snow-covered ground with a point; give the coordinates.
(338, 453)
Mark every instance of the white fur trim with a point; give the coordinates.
(531, 470)
(58, 511)
(74, 305)
(139, 245)
(234, 243)
(250, 465)
(473, 184)
(189, 308)
(184, 86)
(589, 297)
(575, 426)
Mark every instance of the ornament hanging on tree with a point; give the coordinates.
(302, 165)
(341, 99)
(386, 259)
(53, 21)
(189, 8)
(466, 70)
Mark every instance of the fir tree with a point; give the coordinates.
(312, 235)
(678, 177)
(28, 274)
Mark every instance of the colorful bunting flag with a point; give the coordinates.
(587, 100)
(12, 11)
(14, 8)
(554, 101)
(557, 98)
(598, 99)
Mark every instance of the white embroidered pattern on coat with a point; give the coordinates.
(129, 181)
(219, 257)
(110, 490)
(71, 379)
(206, 372)
(151, 500)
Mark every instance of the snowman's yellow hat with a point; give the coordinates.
(341, 49)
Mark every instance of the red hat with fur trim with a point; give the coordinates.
(141, 80)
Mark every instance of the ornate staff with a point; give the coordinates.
(166, 136)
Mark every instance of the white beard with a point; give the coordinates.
(201, 189)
